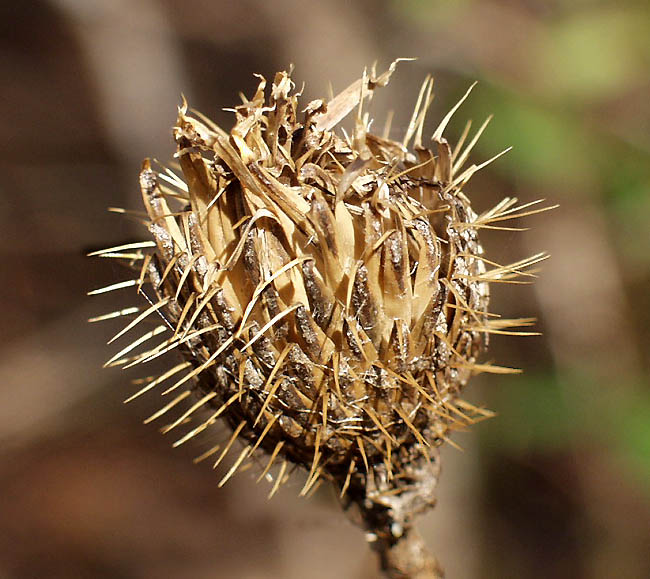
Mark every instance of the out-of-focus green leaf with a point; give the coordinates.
(627, 193)
(629, 430)
(532, 413)
(428, 11)
(548, 147)
(594, 54)
(545, 412)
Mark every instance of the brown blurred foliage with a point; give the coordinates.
(558, 485)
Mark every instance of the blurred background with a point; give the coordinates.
(558, 485)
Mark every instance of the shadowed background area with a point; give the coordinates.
(558, 485)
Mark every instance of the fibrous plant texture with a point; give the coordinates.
(328, 296)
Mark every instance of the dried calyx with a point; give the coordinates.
(328, 294)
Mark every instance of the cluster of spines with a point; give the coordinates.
(185, 333)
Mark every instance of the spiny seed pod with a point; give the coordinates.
(328, 296)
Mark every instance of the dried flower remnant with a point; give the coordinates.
(328, 295)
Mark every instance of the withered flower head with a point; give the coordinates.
(327, 292)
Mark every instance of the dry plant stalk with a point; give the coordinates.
(328, 295)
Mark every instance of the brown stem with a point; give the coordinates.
(407, 558)
(386, 506)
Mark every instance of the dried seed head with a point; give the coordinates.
(328, 293)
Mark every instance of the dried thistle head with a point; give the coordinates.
(327, 293)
